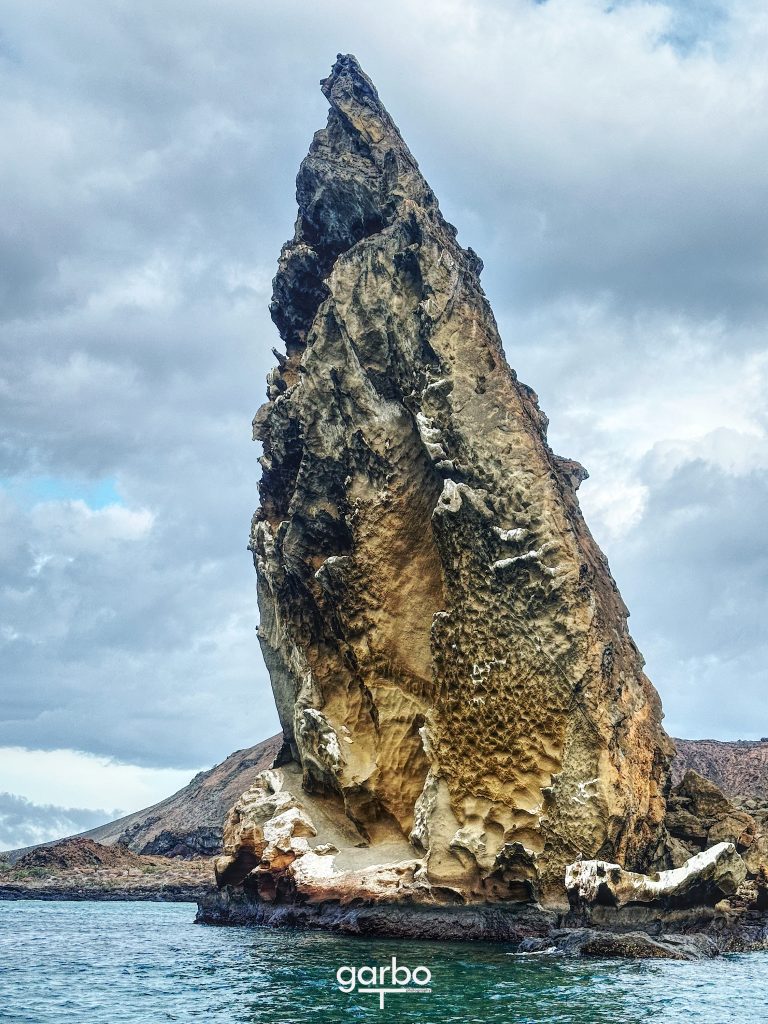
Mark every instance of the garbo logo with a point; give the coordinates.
(393, 979)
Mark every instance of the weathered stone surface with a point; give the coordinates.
(448, 651)
(703, 880)
(589, 942)
(699, 816)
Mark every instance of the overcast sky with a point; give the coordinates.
(607, 161)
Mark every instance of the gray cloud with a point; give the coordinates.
(607, 164)
(702, 612)
(24, 823)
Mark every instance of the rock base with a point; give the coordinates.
(466, 924)
(701, 933)
(590, 942)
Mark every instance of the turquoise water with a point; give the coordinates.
(125, 963)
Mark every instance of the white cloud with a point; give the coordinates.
(70, 778)
(25, 823)
(72, 526)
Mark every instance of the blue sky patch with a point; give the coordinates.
(95, 493)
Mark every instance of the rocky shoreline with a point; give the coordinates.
(74, 891)
(707, 906)
(81, 869)
(613, 913)
(530, 928)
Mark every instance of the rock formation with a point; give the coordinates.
(699, 816)
(738, 767)
(464, 711)
(703, 880)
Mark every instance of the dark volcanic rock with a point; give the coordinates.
(460, 924)
(589, 942)
(78, 852)
(197, 842)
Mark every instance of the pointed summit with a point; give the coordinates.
(463, 709)
(358, 177)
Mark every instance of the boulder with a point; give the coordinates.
(700, 815)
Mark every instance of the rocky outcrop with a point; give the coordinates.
(78, 852)
(464, 711)
(636, 945)
(720, 794)
(81, 869)
(738, 767)
(712, 903)
(699, 814)
(704, 880)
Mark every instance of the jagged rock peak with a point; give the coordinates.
(353, 183)
(464, 711)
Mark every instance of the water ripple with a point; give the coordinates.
(144, 963)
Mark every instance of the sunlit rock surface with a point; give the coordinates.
(464, 710)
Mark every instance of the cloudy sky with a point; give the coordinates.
(607, 161)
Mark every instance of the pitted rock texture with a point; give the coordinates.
(448, 651)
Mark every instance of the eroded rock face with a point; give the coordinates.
(448, 651)
(699, 815)
(703, 880)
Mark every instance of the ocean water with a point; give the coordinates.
(124, 963)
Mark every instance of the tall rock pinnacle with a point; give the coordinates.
(464, 710)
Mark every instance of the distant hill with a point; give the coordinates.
(189, 823)
(738, 767)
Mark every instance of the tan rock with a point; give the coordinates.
(448, 651)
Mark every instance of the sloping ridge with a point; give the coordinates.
(188, 823)
(738, 767)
